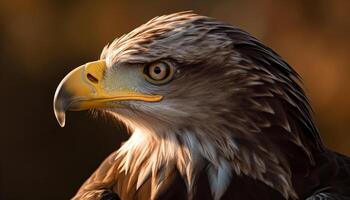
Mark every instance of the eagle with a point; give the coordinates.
(212, 114)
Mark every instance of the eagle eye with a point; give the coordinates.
(159, 72)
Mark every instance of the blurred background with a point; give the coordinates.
(41, 41)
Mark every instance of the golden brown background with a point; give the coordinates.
(40, 41)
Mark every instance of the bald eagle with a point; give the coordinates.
(213, 114)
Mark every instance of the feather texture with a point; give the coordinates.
(234, 120)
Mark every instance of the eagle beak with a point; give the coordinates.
(83, 89)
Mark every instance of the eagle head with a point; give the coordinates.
(199, 97)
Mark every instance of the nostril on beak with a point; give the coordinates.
(92, 78)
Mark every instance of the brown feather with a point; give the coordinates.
(234, 119)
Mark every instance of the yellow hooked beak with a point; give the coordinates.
(82, 89)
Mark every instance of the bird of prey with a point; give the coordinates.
(213, 114)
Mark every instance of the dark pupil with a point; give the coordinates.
(157, 70)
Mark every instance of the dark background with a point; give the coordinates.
(41, 41)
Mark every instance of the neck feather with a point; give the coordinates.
(148, 157)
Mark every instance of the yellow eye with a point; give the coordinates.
(159, 72)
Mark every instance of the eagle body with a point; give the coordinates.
(213, 114)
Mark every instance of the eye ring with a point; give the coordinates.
(159, 72)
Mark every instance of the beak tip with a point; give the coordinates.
(61, 118)
(62, 123)
(60, 105)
